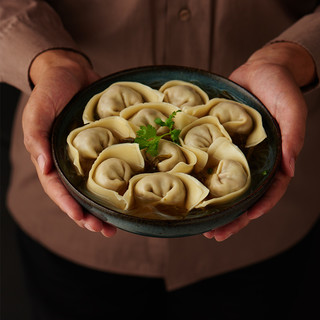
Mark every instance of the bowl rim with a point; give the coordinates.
(175, 227)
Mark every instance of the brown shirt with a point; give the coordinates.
(214, 35)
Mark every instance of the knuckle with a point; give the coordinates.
(28, 141)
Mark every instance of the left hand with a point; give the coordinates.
(57, 75)
(274, 74)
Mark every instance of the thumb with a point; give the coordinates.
(37, 119)
(46, 101)
(277, 90)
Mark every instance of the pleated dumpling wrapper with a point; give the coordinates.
(199, 135)
(145, 114)
(181, 94)
(117, 97)
(110, 174)
(176, 190)
(237, 119)
(86, 142)
(172, 158)
(227, 172)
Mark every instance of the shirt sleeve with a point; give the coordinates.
(306, 32)
(27, 28)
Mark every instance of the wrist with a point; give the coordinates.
(291, 56)
(58, 58)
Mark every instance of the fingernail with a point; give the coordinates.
(88, 226)
(110, 232)
(224, 238)
(292, 164)
(80, 223)
(41, 163)
(209, 234)
(228, 236)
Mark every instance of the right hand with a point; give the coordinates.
(275, 74)
(57, 75)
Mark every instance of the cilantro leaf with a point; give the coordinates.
(147, 131)
(152, 149)
(159, 122)
(175, 136)
(148, 139)
(169, 122)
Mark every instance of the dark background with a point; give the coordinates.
(14, 298)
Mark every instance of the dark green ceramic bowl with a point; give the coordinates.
(263, 163)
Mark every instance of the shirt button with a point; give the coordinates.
(184, 14)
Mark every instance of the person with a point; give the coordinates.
(57, 48)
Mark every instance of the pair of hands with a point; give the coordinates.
(274, 74)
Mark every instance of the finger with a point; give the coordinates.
(268, 201)
(286, 104)
(271, 197)
(46, 101)
(54, 188)
(37, 119)
(225, 232)
(93, 224)
(209, 234)
(292, 125)
(108, 230)
(52, 185)
(290, 110)
(80, 223)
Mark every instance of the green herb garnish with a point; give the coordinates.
(147, 135)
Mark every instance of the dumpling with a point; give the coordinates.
(86, 142)
(237, 118)
(202, 135)
(229, 176)
(113, 174)
(117, 97)
(177, 190)
(182, 93)
(146, 116)
(146, 113)
(156, 188)
(202, 132)
(206, 168)
(173, 158)
(227, 172)
(110, 174)
(91, 141)
(199, 135)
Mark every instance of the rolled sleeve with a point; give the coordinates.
(306, 32)
(27, 28)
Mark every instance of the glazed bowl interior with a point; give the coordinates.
(263, 162)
